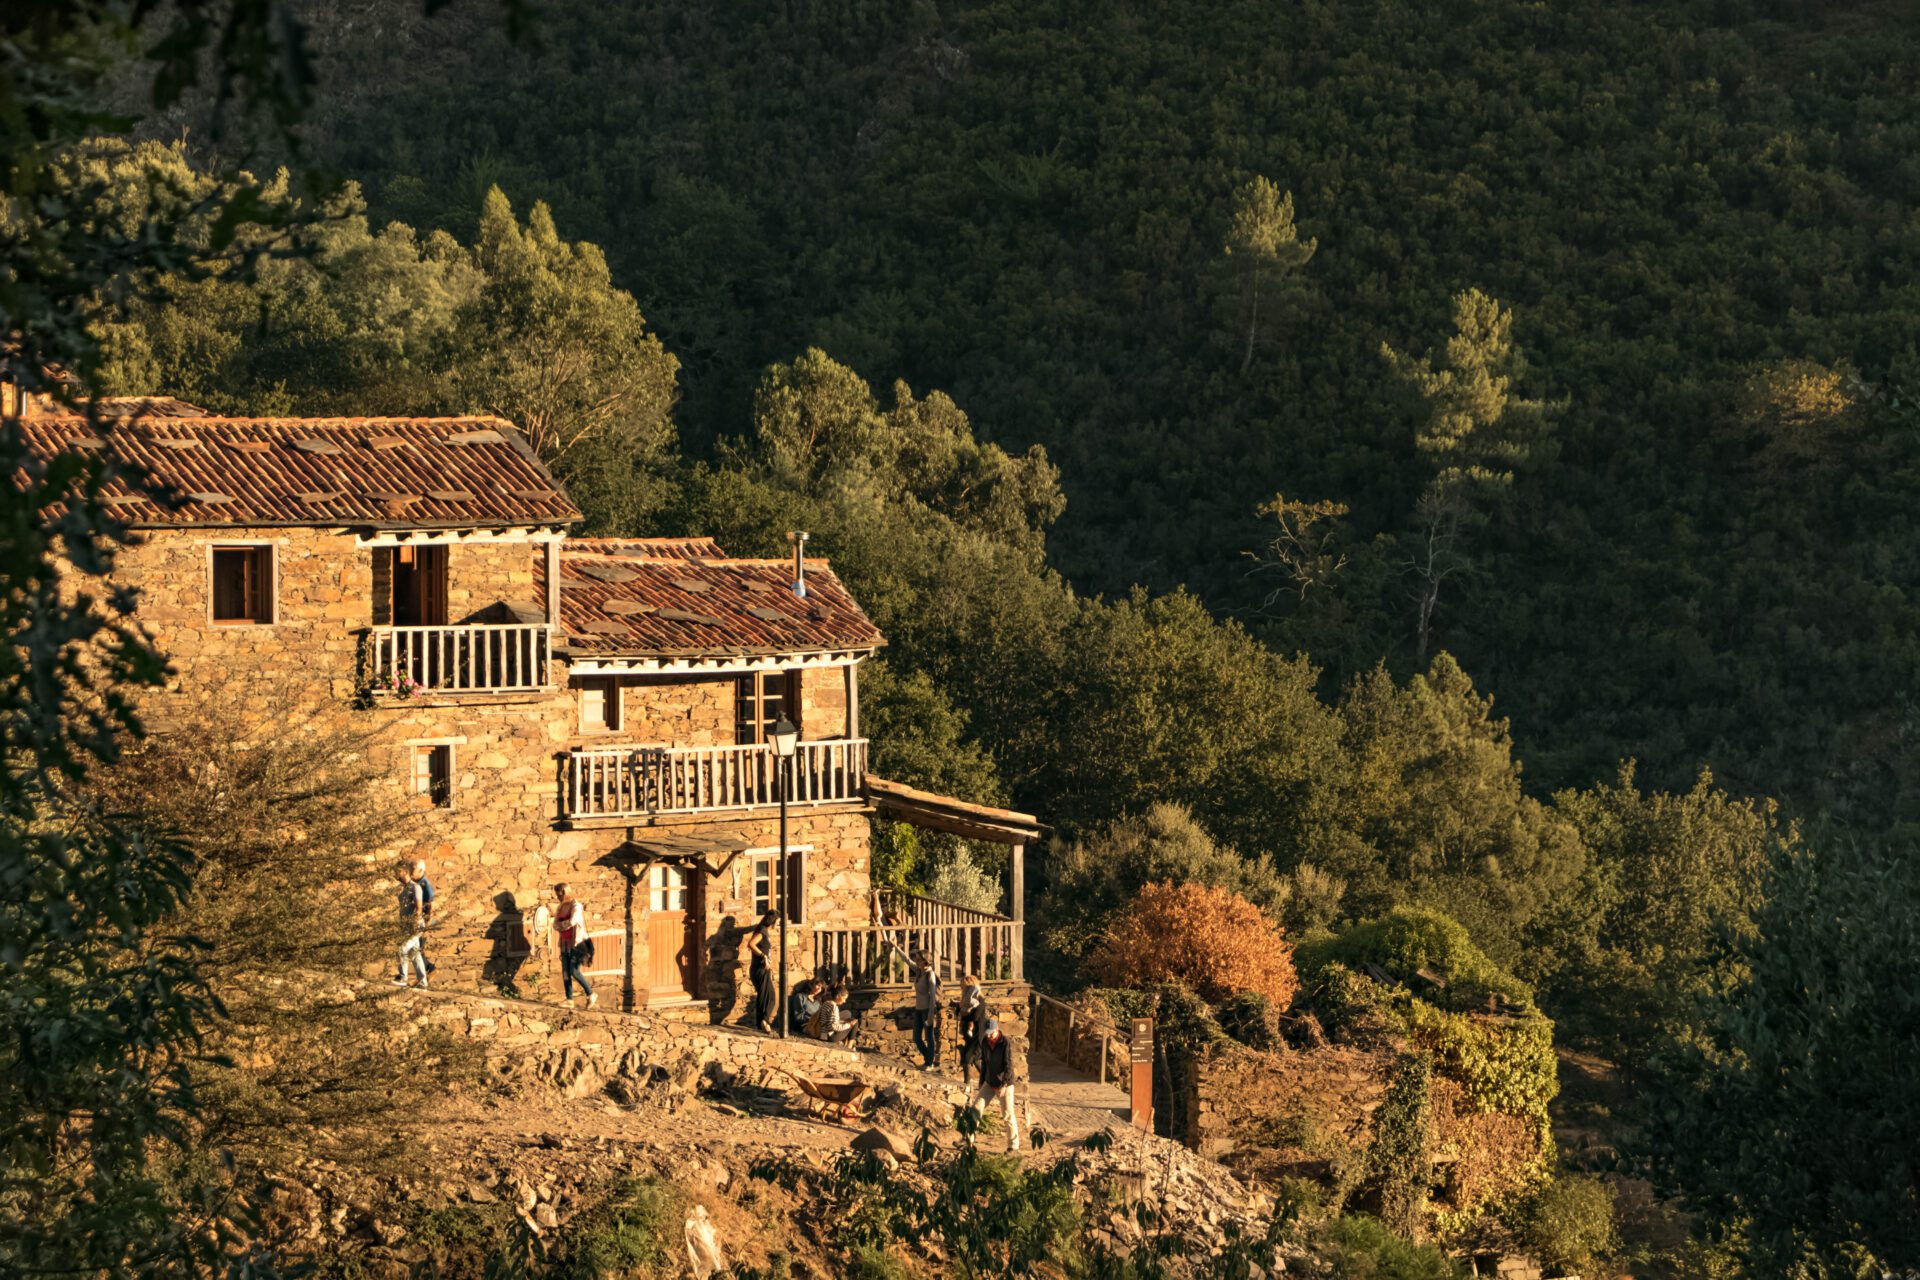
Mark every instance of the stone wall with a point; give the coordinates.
(521, 1030)
(496, 850)
(1273, 1113)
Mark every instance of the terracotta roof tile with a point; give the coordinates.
(649, 548)
(671, 604)
(387, 472)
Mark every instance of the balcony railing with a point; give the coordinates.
(959, 939)
(618, 782)
(476, 658)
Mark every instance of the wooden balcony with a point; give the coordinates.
(624, 782)
(407, 662)
(960, 940)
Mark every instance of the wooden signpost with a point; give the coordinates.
(1140, 1054)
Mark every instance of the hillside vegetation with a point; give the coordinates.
(1699, 215)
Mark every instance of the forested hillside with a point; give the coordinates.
(1699, 216)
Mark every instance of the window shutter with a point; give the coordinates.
(797, 887)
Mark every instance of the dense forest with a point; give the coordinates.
(1698, 214)
(1437, 475)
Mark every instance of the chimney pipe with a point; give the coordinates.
(799, 540)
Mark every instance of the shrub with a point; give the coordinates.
(1360, 1248)
(1568, 1224)
(961, 881)
(1401, 1159)
(1408, 939)
(633, 1231)
(1249, 1018)
(1212, 940)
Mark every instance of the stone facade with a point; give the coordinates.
(499, 842)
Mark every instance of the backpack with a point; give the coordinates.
(817, 1024)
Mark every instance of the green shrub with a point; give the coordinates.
(1360, 1248)
(1400, 1162)
(633, 1231)
(1568, 1224)
(869, 1263)
(1249, 1018)
(1408, 939)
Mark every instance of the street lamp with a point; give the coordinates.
(786, 740)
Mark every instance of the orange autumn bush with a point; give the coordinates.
(1212, 940)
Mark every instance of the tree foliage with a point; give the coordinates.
(1209, 939)
(1792, 1117)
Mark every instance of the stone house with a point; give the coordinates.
(545, 707)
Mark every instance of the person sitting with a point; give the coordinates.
(802, 1003)
(836, 1024)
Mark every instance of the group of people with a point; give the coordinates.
(819, 1010)
(814, 1008)
(416, 916)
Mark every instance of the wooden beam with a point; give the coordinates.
(853, 699)
(1017, 908)
(553, 583)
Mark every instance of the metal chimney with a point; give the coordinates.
(798, 538)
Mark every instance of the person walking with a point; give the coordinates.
(973, 1016)
(576, 949)
(996, 1079)
(416, 912)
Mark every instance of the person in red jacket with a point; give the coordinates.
(576, 949)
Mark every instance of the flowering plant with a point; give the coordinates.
(397, 683)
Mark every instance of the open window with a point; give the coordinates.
(764, 697)
(410, 586)
(433, 774)
(243, 585)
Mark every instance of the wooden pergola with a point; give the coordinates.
(1009, 827)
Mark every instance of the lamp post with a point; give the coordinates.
(786, 739)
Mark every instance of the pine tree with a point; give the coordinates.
(1264, 237)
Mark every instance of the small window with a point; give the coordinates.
(766, 885)
(667, 888)
(599, 704)
(433, 774)
(243, 584)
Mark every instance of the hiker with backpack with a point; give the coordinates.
(416, 913)
(576, 949)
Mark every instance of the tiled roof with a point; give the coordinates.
(644, 548)
(672, 605)
(386, 472)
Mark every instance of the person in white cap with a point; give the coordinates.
(996, 1078)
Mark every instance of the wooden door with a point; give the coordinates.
(420, 586)
(673, 933)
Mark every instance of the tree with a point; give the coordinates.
(1303, 546)
(287, 819)
(1790, 1114)
(1477, 430)
(552, 346)
(1212, 940)
(1262, 236)
(1671, 876)
(1092, 879)
(1431, 810)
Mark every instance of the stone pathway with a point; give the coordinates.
(1067, 1104)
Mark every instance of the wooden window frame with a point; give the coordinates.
(270, 602)
(799, 857)
(613, 713)
(443, 800)
(751, 723)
